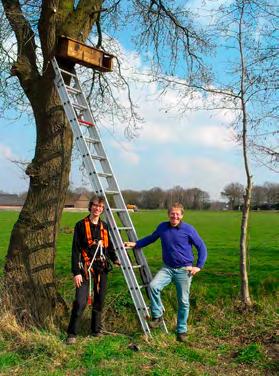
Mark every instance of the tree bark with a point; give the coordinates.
(245, 295)
(29, 270)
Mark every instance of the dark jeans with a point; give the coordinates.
(80, 303)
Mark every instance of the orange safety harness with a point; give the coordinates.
(88, 267)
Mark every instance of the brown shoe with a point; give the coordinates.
(156, 322)
(71, 340)
(181, 337)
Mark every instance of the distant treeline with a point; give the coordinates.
(265, 197)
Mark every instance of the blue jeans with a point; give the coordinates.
(182, 280)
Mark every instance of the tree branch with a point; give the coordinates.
(53, 15)
(25, 67)
(169, 28)
(79, 23)
(99, 32)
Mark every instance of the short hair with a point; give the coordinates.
(97, 199)
(176, 205)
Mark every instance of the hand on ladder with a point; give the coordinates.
(129, 244)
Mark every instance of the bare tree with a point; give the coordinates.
(243, 82)
(272, 193)
(258, 196)
(29, 35)
(234, 193)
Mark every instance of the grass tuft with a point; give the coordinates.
(250, 354)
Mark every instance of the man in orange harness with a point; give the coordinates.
(90, 253)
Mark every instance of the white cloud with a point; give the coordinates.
(127, 152)
(12, 178)
(197, 128)
(209, 174)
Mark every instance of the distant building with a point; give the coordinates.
(82, 201)
(77, 201)
(11, 200)
(14, 201)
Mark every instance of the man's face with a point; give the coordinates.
(97, 209)
(175, 216)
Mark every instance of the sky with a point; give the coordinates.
(193, 150)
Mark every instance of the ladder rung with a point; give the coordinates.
(67, 72)
(143, 286)
(117, 210)
(79, 106)
(112, 192)
(72, 89)
(124, 228)
(137, 267)
(91, 140)
(104, 174)
(84, 122)
(98, 157)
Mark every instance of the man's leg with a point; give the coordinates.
(98, 304)
(161, 279)
(182, 280)
(79, 305)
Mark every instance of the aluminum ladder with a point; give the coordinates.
(103, 181)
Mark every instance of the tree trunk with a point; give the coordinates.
(245, 295)
(29, 269)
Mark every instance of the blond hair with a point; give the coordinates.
(176, 205)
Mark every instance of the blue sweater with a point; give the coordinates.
(177, 244)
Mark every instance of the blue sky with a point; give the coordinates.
(193, 150)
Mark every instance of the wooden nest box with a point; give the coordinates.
(82, 54)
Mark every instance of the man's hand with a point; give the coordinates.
(194, 270)
(129, 244)
(78, 280)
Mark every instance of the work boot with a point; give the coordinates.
(71, 339)
(181, 337)
(156, 322)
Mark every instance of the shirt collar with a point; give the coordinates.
(177, 227)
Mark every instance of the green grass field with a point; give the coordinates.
(222, 338)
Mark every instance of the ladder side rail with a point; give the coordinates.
(134, 288)
(132, 283)
(140, 258)
(130, 278)
(125, 218)
(126, 265)
(82, 146)
(72, 116)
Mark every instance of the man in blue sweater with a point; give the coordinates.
(177, 239)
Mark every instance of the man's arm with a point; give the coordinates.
(144, 241)
(202, 251)
(76, 253)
